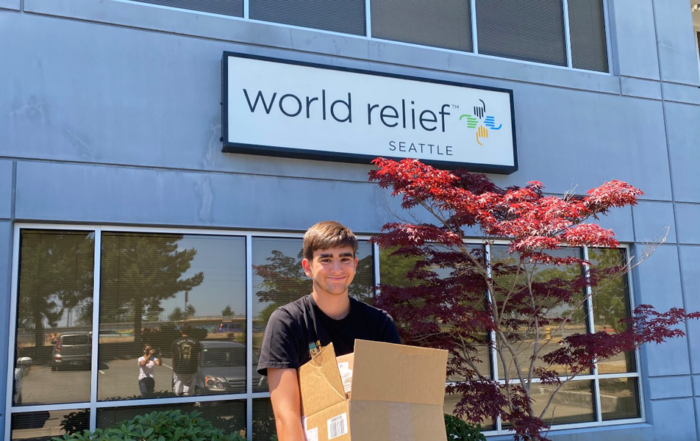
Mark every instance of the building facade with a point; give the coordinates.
(121, 215)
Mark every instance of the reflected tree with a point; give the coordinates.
(284, 281)
(56, 277)
(139, 271)
(227, 311)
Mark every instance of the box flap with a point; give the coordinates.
(398, 373)
(320, 384)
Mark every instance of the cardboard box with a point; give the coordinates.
(397, 394)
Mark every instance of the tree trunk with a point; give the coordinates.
(138, 317)
(38, 333)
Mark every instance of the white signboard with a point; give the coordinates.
(283, 108)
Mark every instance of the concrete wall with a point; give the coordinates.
(110, 114)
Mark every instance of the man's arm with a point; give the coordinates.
(286, 403)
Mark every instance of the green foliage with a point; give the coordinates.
(458, 430)
(159, 426)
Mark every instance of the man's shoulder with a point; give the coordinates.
(294, 309)
(370, 311)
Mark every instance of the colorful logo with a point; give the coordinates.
(481, 122)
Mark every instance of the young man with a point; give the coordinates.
(327, 315)
(186, 351)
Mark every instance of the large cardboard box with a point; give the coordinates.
(397, 394)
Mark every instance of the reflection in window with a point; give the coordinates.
(547, 281)
(619, 399)
(572, 404)
(451, 401)
(153, 287)
(46, 424)
(263, 420)
(278, 279)
(54, 317)
(610, 305)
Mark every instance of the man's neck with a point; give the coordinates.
(335, 307)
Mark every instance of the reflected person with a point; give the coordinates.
(147, 363)
(186, 351)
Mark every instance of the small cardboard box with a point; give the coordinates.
(397, 394)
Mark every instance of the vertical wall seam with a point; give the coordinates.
(6, 301)
(675, 217)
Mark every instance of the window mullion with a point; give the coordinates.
(475, 34)
(12, 333)
(246, 9)
(376, 269)
(368, 18)
(94, 371)
(608, 45)
(249, 332)
(591, 329)
(567, 33)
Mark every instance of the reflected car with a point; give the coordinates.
(72, 349)
(21, 367)
(222, 368)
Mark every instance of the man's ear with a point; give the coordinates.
(306, 265)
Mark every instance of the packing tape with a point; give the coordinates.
(400, 424)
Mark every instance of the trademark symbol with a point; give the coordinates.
(455, 106)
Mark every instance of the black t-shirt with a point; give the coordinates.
(295, 326)
(186, 352)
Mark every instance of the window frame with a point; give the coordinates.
(475, 40)
(93, 404)
(594, 377)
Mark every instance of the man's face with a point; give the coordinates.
(332, 270)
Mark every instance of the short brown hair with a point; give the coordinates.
(328, 234)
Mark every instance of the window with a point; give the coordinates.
(568, 33)
(439, 23)
(531, 31)
(233, 8)
(610, 391)
(345, 16)
(76, 367)
(87, 301)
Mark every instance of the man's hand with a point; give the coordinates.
(286, 403)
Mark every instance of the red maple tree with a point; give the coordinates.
(524, 304)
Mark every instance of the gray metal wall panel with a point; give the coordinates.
(652, 220)
(683, 127)
(676, 41)
(569, 139)
(308, 44)
(687, 217)
(5, 278)
(670, 387)
(640, 88)
(10, 4)
(672, 419)
(634, 39)
(5, 189)
(620, 221)
(88, 193)
(690, 264)
(175, 119)
(658, 283)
